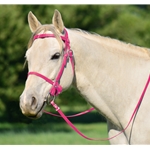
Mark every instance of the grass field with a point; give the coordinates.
(51, 134)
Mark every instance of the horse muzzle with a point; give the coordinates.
(31, 107)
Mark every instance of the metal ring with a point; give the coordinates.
(49, 98)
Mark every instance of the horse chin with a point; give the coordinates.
(33, 114)
(39, 115)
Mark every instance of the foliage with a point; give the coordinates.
(129, 23)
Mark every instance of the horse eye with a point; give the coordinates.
(55, 56)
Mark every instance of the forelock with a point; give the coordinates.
(44, 28)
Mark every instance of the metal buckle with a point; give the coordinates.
(49, 98)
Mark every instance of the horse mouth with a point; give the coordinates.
(36, 115)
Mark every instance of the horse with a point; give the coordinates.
(110, 75)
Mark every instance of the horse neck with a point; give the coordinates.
(104, 77)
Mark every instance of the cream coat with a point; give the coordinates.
(109, 74)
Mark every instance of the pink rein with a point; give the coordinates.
(56, 88)
(100, 139)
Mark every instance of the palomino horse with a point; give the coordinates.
(111, 75)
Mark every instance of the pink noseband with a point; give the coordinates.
(56, 88)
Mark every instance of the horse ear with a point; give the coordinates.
(33, 22)
(58, 22)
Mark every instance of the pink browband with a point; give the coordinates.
(56, 88)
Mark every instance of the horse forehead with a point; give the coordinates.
(45, 45)
(49, 43)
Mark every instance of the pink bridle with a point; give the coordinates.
(56, 88)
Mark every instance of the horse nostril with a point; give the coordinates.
(33, 103)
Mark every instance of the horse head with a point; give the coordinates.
(50, 64)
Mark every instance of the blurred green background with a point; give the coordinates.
(129, 23)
